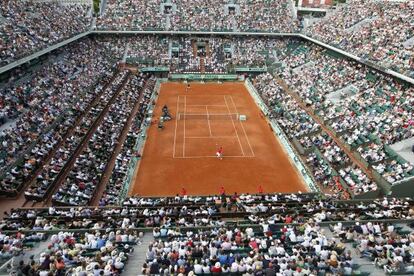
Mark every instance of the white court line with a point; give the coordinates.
(208, 122)
(210, 137)
(222, 105)
(245, 134)
(176, 124)
(214, 156)
(234, 126)
(185, 112)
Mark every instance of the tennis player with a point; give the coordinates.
(219, 153)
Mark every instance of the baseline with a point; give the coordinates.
(214, 156)
(211, 137)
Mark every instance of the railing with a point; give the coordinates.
(250, 69)
(162, 69)
(237, 224)
(5, 266)
(41, 52)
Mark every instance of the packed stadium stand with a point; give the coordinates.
(380, 31)
(217, 15)
(80, 86)
(30, 26)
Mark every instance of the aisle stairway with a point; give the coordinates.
(202, 65)
(168, 22)
(135, 262)
(194, 45)
(102, 7)
(38, 248)
(364, 266)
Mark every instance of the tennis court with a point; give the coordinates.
(207, 122)
(206, 117)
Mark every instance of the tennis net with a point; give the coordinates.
(220, 116)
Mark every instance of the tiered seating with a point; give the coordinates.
(374, 30)
(29, 26)
(188, 60)
(252, 52)
(387, 246)
(132, 15)
(265, 15)
(189, 212)
(16, 244)
(246, 251)
(215, 57)
(46, 180)
(80, 185)
(257, 15)
(92, 252)
(363, 113)
(201, 16)
(282, 229)
(116, 185)
(322, 153)
(149, 51)
(50, 100)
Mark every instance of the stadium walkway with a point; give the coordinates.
(134, 265)
(364, 265)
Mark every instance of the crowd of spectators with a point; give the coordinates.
(201, 16)
(132, 15)
(264, 15)
(45, 181)
(253, 53)
(214, 15)
(374, 30)
(389, 247)
(41, 107)
(322, 153)
(149, 51)
(189, 212)
(281, 232)
(179, 54)
(16, 244)
(196, 55)
(383, 26)
(80, 185)
(95, 252)
(360, 105)
(289, 251)
(29, 26)
(216, 59)
(189, 58)
(116, 185)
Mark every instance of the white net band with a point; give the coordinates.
(192, 116)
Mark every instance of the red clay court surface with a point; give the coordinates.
(182, 155)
